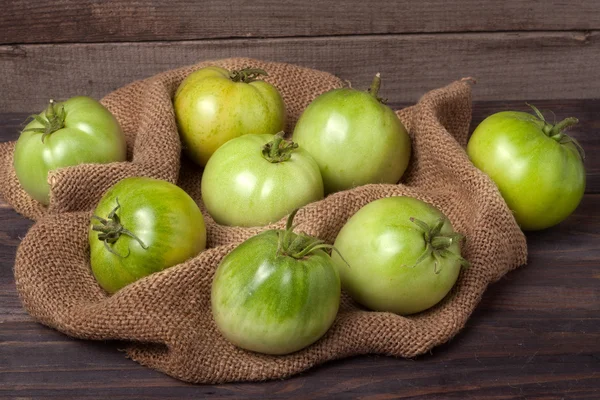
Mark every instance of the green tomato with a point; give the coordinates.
(258, 179)
(403, 253)
(77, 131)
(354, 138)
(213, 106)
(537, 168)
(142, 226)
(273, 297)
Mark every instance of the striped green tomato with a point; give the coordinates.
(142, 226)
(273, 297)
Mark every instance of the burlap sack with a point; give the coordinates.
(166, 317)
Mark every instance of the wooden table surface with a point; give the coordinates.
(535, 335)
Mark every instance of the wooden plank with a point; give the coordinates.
(536, 334)
(515, 364)
(12, 229)
(38, 21)
(507, 65)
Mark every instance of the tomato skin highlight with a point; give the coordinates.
(382, 246)
(541, 180)
(91, 135)
(271, 303)
(354, 138)
(211, 109)
(241, 188)
(161, 215)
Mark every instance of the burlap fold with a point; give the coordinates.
(166, 317)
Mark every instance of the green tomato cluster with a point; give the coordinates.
(279, 291)
(345, 138)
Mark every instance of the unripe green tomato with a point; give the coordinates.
(213, 105)
(274, 298)
(77, 131)
(142, 226)
(403, 255)
(243, 185)
(536, 166)
(354, 138)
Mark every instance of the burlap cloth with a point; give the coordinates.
(166, 317)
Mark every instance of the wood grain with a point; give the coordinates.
(535, 65)
(38, 21)
(535, 335)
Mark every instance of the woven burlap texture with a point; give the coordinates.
(166, 317)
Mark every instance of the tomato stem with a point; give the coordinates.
(563, 125)
(537, 112)
(247, 75)
(556, 131)
(438, 244)
(375, 86)
(278, 150)
(111, 230)
(53, 121)
(300, 245)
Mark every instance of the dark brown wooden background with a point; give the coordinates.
(516, 49)
(536, 334)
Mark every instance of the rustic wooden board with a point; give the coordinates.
(534, 65)
(38, 21)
